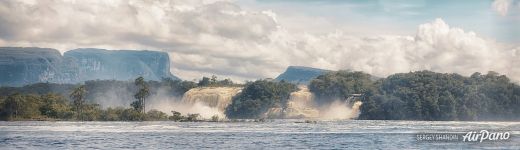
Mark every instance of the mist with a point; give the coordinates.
(303, 103)
(212, 101)
(166, 103)
(340, 110)
(114, 97)
(160, 100)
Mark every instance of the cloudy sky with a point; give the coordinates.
(250, 39)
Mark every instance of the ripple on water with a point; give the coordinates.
(358, 134)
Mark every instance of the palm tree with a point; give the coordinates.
(142, 93)
(78, 95)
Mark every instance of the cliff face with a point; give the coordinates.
(21, 66)
(300, 75)
(121, 64)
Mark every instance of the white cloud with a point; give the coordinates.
(503, 6)
(436, 46)
(219, 37)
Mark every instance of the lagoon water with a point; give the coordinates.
(272, 134)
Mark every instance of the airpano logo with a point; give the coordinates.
(484, 135)
(472, 136)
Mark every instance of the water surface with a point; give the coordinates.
(273, 134)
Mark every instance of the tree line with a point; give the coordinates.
(424, 95)
(258, 97)
(421, 95)
(50, 101)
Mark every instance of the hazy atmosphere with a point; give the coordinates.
(259, 74)
(246, 39)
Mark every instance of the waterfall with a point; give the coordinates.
(215, 98)
(355, 109)
(340, 110)
(301, 104)
(209, 101)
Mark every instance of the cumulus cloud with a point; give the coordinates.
(218, 37)
(436, 46)
(501, 6)
(504, 6)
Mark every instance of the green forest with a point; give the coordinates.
(421, 95)
(257, 97)
(425, 95)
(50, 101)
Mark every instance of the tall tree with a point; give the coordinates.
(55, 106)
(214, 80)
(13, 104)
(204, 82)
(78, 95)
(141, 94)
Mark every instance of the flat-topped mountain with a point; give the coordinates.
(25, 65)
(20, 66)
(121, 64)
(300, 74)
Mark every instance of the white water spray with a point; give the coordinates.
(302, 104)
(207, 101)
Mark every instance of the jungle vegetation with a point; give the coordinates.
(425, 95)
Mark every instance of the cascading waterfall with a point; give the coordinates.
(209, 101)
(302, 104)
(355, 109)
(341, 110)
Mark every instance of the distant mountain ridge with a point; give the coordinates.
(300, 74)
(26, 65)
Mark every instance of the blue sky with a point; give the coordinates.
(401, 16)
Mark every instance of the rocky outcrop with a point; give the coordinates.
(21, 66)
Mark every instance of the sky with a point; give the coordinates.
(252, 39)
(375, 17)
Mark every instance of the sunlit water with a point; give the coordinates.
(274, 134)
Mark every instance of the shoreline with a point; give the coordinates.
(266, 120)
